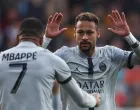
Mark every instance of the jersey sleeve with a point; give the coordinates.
(62, 71)
(63, 52)
(121, 57)
(82, 98)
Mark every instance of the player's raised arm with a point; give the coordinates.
(63, 76)
(53, 28)
(121, 28)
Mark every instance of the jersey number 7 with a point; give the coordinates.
(21, 75)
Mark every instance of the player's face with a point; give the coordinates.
(86, 34)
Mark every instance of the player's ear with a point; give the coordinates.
(74, 33)
(40, 41)
(17, 39)
(98, 33)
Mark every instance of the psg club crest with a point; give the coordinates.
(102, 67)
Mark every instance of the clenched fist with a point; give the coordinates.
(98, 98)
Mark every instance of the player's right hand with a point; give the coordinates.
(52, 28)
(98, 98)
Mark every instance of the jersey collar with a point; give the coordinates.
(26, 43)
(84, 55)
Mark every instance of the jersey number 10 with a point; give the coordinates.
(21, 75)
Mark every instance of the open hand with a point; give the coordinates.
(52, 28)
(121, 27)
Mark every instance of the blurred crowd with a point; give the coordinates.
(13, 11)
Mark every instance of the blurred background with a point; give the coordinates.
(13, 11)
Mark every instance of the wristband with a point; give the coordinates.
(46, 39)
(94, 103)
(130, 39)
(135, 45)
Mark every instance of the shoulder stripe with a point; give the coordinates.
(65, 81)
(129, 61)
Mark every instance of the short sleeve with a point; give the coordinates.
(63, 52)
(121, 57)
(63, 73)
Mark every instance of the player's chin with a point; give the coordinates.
(85, 49)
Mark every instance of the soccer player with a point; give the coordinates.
(28, 72)
(94, 68)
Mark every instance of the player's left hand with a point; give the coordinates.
(120, 26)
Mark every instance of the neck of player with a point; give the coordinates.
(90, 52)
(30, 39)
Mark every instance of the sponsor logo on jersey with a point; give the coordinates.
(92, 86)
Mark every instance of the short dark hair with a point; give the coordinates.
(87, 16)
(31, 27)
